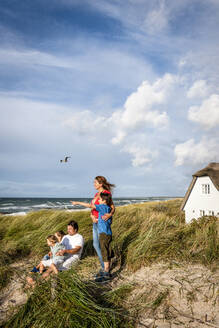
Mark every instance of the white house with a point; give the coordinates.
(202, 196)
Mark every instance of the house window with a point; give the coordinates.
(202, 212)
(211, 213)
(205, 188)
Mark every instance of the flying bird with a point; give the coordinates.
(65, 160)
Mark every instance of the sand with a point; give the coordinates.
(182, 296)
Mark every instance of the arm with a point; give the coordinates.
(106, 216)
(74, 250)
(94, 218)
(83, 204)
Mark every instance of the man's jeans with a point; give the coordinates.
(96, 244)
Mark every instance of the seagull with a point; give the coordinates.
(65, 160)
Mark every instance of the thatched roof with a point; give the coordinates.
(212, 171)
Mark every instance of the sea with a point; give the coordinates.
(21, 206)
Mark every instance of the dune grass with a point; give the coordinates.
(154, 232)
(67, 301)
(142, 234)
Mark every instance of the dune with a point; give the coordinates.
(165, 272)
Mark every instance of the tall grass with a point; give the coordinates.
(70, 303)
(146, 234)
(142, 234)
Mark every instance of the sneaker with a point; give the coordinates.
(34, 270)
(104, 278)
(99, 273)
(46, 257)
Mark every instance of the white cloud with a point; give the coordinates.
(142, 15)
(189, 153)
(90, 62)
(199, 89)
(201, 63)
(157, 19)
(141, 155)
(140, 108)
(31, 57)
(207, 114)
(87, 123)
(139, 113)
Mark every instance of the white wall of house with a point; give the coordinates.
(203, 200)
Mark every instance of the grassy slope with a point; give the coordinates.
(143, 234)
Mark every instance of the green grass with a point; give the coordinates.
(72, 303)
(147, 234)
(142, 234)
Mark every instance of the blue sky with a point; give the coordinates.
(128, 89)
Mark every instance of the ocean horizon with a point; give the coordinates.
(24, 205)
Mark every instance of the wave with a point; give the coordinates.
(17, 213)
(15, 207)
(7, 204)
(18, 206)
(41, 205)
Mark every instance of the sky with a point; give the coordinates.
(128, 89)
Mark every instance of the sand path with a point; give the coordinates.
(170, 297)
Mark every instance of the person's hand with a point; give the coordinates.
(60, 253)
(106, 216)
(50, 254)
(94, 218)
(74, 203)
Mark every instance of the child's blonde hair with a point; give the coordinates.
(60, 234)
(52, 238)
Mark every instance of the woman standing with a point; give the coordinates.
(101, 185)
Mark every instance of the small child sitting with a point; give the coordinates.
(59, 235)
(53, 260)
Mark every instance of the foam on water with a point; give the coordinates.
(21, 206)
(7, 204)
(41, 206)
(17, 213)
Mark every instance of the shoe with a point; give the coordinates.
(46, 257)
(99, 273)
(35, 270)
(104, 278)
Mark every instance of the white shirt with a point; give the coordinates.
(72, 241)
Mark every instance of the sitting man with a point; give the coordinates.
(73, 243)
